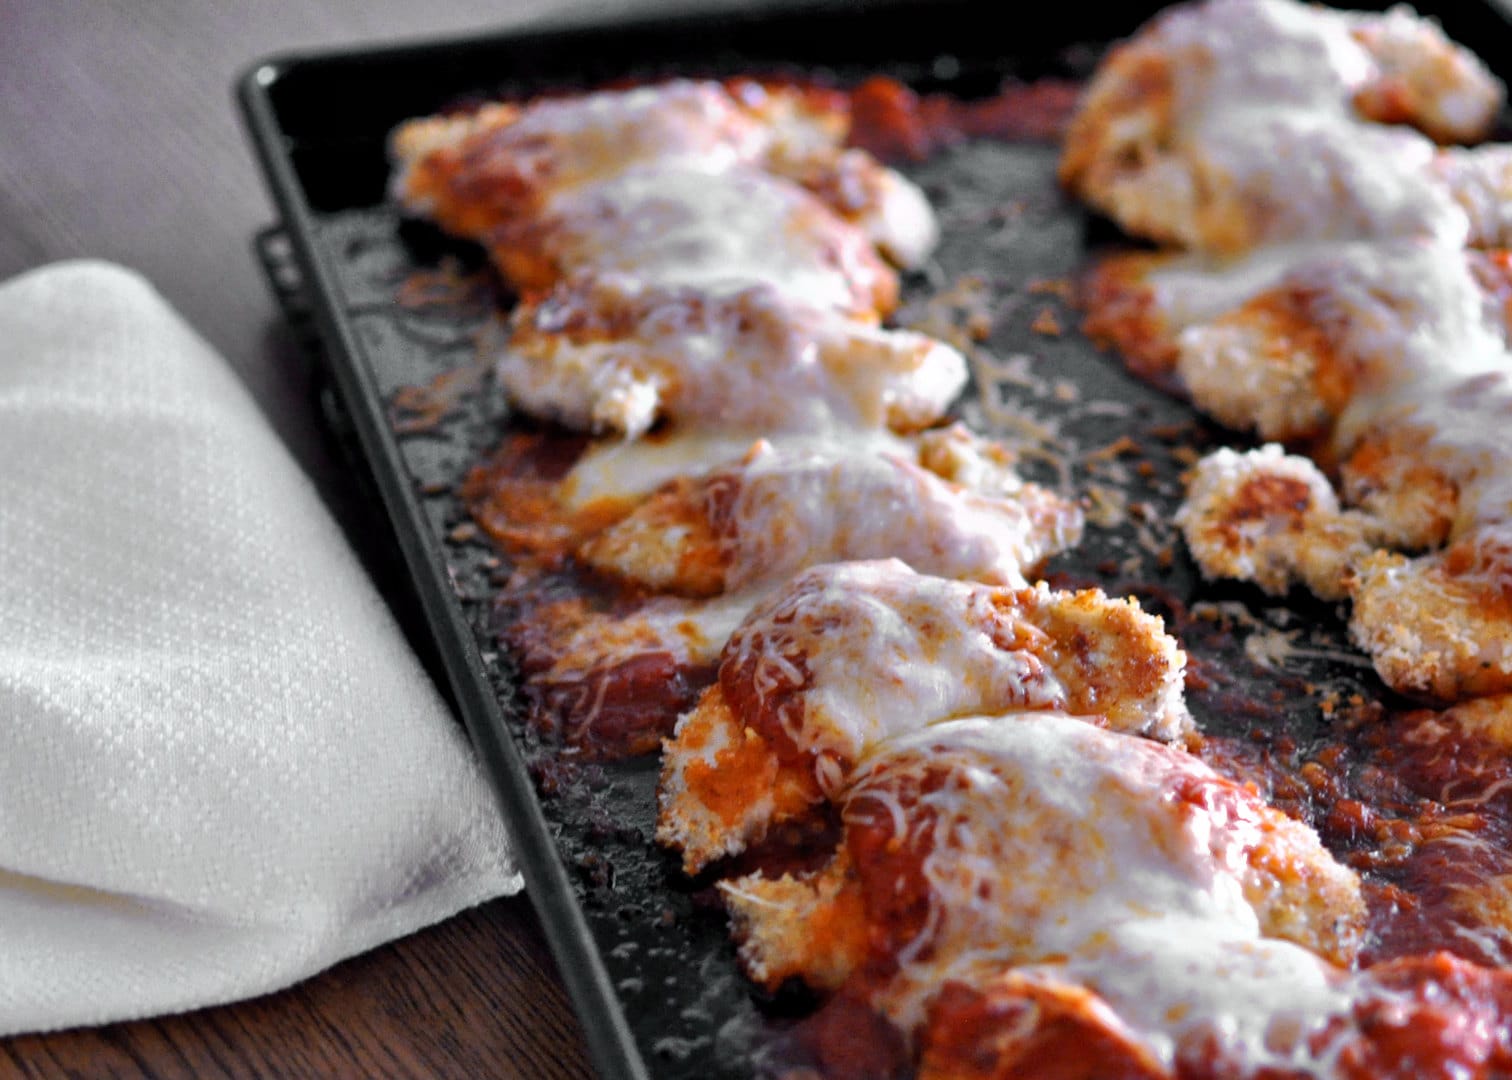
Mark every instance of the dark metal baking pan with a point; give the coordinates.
(643, 952)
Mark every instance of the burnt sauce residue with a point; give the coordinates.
(1282, 699)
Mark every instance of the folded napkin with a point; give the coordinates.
(221, 767)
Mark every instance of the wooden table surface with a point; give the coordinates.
(119, 140)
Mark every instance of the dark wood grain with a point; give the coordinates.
(474, 996)
(119, 140)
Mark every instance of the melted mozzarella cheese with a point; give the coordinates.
(1345, 337)
(1467, 419)
(474, 171)
(1195, 988)
(614, 469)
(1333, 177)
(666, 223)
(1412, 303)
(1190, 290)
(1081, 817)
(609, 353)
(792, 511)
(525, 158)
(1480, 179)
(897, 215)
(690, 632)
(850, 655)
(887, 651)
(776, 511)
(1058, 844)
(1231, 123)
(561, 144)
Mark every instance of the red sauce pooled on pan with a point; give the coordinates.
(898, 125)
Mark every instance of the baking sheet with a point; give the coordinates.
(396, 307)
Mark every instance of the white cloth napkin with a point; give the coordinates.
(221, 767)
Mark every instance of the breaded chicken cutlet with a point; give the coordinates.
(851, 655)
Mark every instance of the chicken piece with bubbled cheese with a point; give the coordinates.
(1042, 844)
(850, 656)
(1230, 124)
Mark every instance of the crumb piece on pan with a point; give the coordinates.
(1273, 519)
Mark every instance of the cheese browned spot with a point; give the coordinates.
(849, 656)
(1043, 847)
(1233, 123)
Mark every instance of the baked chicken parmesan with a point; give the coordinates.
(664, 575)
(953, 793)
(705, 253)
(703, 271)
(851, 655)
(1379, 358)
(1231, 124)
